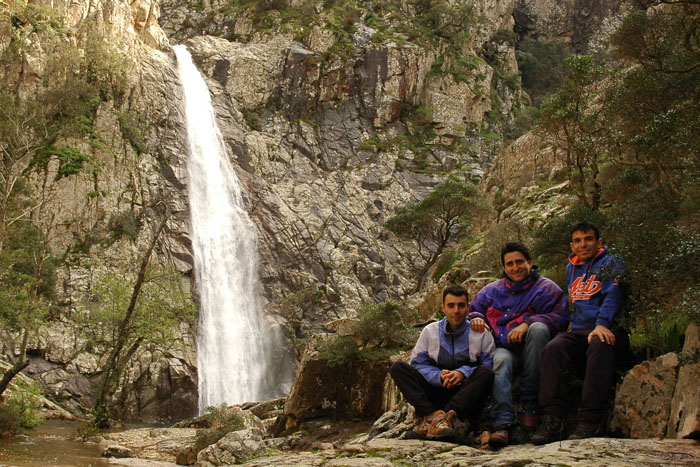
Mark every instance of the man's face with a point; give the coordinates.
(585, 245)
(455, 309)
(516, 267)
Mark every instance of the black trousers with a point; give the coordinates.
(466, 400)
(569, 350)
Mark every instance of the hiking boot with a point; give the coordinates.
(421, 430)
(441, 426)
(584, 430)
(549, 430)
(529, 417)
(498, 439)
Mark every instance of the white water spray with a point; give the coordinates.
(234, 354)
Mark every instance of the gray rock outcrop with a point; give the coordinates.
(584, 25)
(327, 132)
(685, 409)
(660, 398)
(359, 451)
(130, 144)
(643, 399)
(346, 390)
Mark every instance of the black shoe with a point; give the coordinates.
(550, 430)
(584, 430)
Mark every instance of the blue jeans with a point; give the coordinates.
(504, 360)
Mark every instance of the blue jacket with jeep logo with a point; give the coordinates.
(505, 305)
(438, 349)
(594, 291)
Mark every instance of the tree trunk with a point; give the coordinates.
(111, 369)
(20, 365)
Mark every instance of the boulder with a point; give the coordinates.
(232, 448)
(684, 421)
(349, 390)
(187, 456)
(116, 450)
(643, 398)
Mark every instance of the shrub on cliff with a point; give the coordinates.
(435, 221)
(19, 410)
(541, 64)
(380, 327)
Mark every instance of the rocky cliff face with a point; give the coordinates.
(585, 25)
(316, 134)
(130, 144)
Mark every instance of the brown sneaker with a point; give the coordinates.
(498, 439)
(549, 430)
(585, 430)
(441, 426)
(421, 430)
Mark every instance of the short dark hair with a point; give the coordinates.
(456, 290)
(585, 226)
(510, 247)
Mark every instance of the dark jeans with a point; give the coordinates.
(466, 399)
(571, 349)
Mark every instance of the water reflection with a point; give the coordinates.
(52, 443)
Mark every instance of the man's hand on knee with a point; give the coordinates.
(517, 334)
(451, 378)
(603, 333)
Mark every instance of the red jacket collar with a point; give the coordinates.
(573, 259)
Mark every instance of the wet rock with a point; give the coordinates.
(135, 462)
(266, 409)
(115, 450)
(154, 444)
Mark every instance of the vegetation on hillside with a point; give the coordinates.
(380, 329)
(34, 127)
(627, 131)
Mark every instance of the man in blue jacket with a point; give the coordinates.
(450, 372)
(594, 294)
(524, 311)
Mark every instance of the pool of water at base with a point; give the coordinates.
(53, 443)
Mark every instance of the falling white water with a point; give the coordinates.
(234, 354)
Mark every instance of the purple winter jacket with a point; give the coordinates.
(505, 304)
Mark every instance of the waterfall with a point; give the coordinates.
(236, 344)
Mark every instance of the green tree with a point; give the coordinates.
(655, 103)
(127, 314)
(541, 64)
(573, 121)
(382, 325)
(37, 118)
(436, 220)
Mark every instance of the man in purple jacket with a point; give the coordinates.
(523, 311)
(594, 293)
